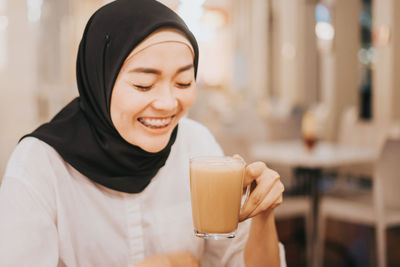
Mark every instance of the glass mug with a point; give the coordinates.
(216, 186)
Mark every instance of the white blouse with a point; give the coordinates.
(52, 215)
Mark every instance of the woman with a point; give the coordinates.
(105, 183)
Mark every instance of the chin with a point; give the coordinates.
(153, 146)
(150, 142)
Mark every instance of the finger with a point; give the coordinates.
(278, 202)
(253, 171)
(273, 200)
(258, 195)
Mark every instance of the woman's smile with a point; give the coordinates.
(156, 122)
(146, 116)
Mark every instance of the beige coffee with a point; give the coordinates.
(216, 192)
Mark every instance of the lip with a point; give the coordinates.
(157, 117)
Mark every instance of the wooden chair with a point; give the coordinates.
(379, 208)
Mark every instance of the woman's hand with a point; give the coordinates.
(265, 190)
(181, 259)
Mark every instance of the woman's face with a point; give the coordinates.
(153, 90)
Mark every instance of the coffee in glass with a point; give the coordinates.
(216, 185)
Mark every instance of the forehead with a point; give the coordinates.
(161, 54)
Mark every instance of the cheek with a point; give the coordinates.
(187, 98)
(125, 103)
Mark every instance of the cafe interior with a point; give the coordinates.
(307, 86)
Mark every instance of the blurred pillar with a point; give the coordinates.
(274, 41)
(252, 73)
(18, 108)
(396, 62)
(245, 50)
(21, 69)
(310, 95)
(62, 26)
(276, 48)
(298, 64)
(386, 78)
(290, 52)
(339, 64)
(54, 83)
(258, 45)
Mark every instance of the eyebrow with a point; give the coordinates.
(185, 68)
(158, 72)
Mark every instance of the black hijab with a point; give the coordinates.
(82, 132)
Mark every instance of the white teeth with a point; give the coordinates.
(156, 123)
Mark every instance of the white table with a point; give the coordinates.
(324, 155)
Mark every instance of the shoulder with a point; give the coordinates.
(37, 165)
(33, 167)
(32, 145)
(197, 138)
(31, 155)
(190, 127)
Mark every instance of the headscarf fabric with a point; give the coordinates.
(82, 132)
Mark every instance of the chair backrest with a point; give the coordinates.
(387, 174)
(354, 132)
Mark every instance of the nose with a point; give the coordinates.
(165, 99)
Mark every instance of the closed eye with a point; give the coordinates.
(183, 85)
(143, 87)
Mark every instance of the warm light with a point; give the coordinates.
(309, 130)
(34, 10)
(381, 35)
(324, 31)
(191, 12)
(213, 18)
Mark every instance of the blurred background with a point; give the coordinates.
(270, 70)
